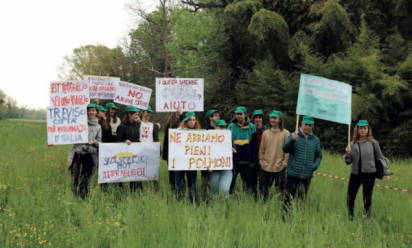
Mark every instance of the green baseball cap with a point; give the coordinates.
(188, 115)
(308, 120)
(101, 108)
(221, 123)
(275, 113)
(210, 112)
(92, 105)
(362, 123)
(240, 110)
(111, 105)
(257, 112)
(131, 109)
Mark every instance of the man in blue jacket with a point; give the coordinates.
(304, 158)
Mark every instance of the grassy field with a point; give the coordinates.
(37, 208)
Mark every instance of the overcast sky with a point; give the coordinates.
(36, 35)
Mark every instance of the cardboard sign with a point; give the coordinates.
(67, 125)
(69, 93)
(119, 162)
(200, 149)
(102, 87)
(186, 94)
(325, 99)
(133, 94)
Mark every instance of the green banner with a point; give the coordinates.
(325, 99)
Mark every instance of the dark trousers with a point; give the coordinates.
(172, 180)
(266, 180)
(295, 188)
(248, 174)
(355, 181)
(81, 170)
(191, 184)
(204, 184)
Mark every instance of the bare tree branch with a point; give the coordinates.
(199, 5)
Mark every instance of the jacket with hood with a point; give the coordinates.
(241, 137)
(304, 155)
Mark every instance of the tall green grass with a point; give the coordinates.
(37, 208)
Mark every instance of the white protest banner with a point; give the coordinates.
(119, 162)
(186, 94)
(67, 125)
(200, 149)
(102, 87)
(133, 94)
(69, 93)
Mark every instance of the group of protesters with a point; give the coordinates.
(263, 155)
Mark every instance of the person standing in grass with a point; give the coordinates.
(189, 122)
(242, 131)
(220, 180)
(128, 132)
(272, 159)
(172, 123)
(362, 153)
(112, 118)
(212, 116)
(305, 156)
(83, 157)
(257, 118)
(107, 135)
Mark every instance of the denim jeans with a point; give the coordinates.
(220, 181)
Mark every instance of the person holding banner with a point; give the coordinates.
(112, 117)
(305, 156)
(362, 154)
(220, 180)
(83, 157)
(106, 129)
(128, 132)
(172, 123)
(273, 160)
(242, 131)
(189, 122)
(257, 118)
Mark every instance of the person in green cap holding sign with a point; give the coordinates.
(189, 122)
(220, 180)
(83, 157)
(362, 154)
(257, 118)
(305, 157)
(273, 160)
(242, 131)
(212, 116)
(149, 132)
(128, 132)
(112, 118)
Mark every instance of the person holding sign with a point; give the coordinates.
(106, 129)
(83, 157)
(220, 180)
(273, 160)
(305, 157)
(189, 122)
(149, 132)
(172, 123)
(257, 118)
(362, 154)
(112, 117)
(242, 131)
(128, 132)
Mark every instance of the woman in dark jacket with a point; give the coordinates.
(128, 132)
(362, 154)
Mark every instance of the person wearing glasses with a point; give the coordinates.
(305, 156)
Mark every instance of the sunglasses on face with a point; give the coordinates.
(309, 125)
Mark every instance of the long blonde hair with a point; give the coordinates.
(356, 136)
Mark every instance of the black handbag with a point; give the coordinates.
(380, 164)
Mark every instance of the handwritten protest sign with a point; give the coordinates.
(102, 87)
(67, 125)
(119, 162)
(200, 149)
(325, 99)
(186, 94)
(133, 94)
(69, 93)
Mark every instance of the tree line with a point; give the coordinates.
(251, 53)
